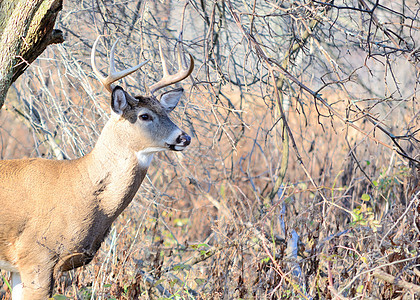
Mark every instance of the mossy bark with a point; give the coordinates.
(26, 29)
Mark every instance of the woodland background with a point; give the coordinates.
(301, 181)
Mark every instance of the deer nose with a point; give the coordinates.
(183, 139)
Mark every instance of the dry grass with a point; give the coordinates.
(344, 223)
(201, 228)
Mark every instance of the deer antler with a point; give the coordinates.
(168, 79)
(113, 74)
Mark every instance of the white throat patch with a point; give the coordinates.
(144, 159)
(145, 156)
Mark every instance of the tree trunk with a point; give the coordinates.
(26, 29)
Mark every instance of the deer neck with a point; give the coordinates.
(115, 170)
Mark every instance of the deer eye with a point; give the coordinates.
(145, 117)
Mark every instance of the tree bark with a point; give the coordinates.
(26, 29)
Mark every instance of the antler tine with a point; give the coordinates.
(168, 79)
(93, 62)
(162, 58)
(113, 74)
(179, 57)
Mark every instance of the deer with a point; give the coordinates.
(55, 214)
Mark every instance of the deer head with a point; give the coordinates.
(144, 125)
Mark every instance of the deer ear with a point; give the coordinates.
(170, 99)
(118, 100)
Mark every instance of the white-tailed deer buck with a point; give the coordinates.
(54, 215)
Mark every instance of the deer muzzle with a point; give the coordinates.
(182, 141)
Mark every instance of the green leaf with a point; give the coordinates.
(181, 267)
(199, 281)
(222, 191)
(265, 260)
(179, 222)
(59, 297)
(365, 197)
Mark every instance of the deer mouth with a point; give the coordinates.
(176, 147)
